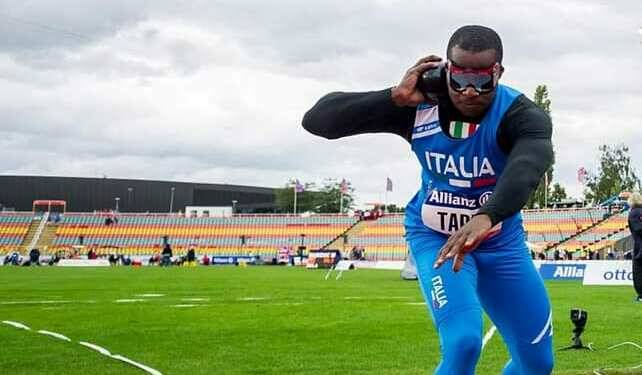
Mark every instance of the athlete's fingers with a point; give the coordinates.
(458, 246)
(458, 261)
(418, 69)
(472, 241)
(453, 246)
(443, 252)
(426, 59)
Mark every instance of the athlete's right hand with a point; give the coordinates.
(406, 92)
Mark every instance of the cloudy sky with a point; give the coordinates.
(214, 91)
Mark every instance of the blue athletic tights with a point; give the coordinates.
(506, 285)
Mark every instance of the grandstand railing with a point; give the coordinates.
(582, 231)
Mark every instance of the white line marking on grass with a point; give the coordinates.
(119, 357)
(415, 303)
(16, 324)
(129, 300)
(31, 302)
(377, 298)
(54, 334)
(185, 305)
(194, 299)
(252, 299)
(625, 343)
(288, 304)
(393, 297)
(95, 347)
(150, 295)
(488, 336)
(139, 365)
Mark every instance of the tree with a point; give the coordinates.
(558, 193)
(305, 201)
(538, 196)
(541, 99)
(328, 199)
(614, 175)
(393, 208)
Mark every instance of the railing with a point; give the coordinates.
(41, 227)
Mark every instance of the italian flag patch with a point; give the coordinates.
(460, 129)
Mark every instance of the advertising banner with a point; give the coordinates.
(612, 272)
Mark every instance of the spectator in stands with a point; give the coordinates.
(154, 259)
(55, 258)
(34, 257)
(167, 255)
(125, 260)
(541, 255)
(354, 253)
(179, 260)
(206, 260)
(13, 259)
(191, 257)
(556, 255)
(113, 259)
(635, 225)
(92, 254)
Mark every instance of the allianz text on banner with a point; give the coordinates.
(609, 272)
(562, 271)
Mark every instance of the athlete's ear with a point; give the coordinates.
(500, 71)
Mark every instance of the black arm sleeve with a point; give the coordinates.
(525, 133)
(341, 114)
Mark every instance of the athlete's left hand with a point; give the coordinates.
(465, 240)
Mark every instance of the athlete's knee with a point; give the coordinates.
(462, 345)
(460, 353)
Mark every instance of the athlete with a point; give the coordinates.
(483, 148)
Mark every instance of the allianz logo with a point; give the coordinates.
(568, 271)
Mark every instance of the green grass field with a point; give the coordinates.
(267, 320)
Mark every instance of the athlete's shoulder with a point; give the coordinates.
(524, 112)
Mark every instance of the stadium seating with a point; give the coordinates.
(604, 234)
(239, 235)
(382, 239)
(545, 227)
(13, 229)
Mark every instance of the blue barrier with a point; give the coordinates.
(233, 260)
(566, 271)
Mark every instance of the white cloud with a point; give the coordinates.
(215, 91)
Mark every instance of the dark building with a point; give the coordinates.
(91, 194)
